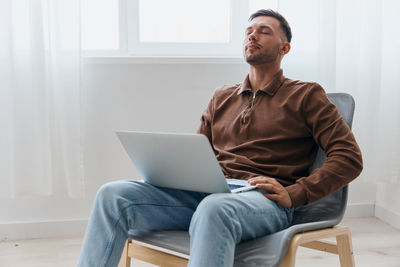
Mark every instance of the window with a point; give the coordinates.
(184, 21)
(166, 28)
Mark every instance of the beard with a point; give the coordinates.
(262, 57)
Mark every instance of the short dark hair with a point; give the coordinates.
(271, 13)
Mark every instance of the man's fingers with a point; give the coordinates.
(276, 191)
(272, 187)
(261, 179)
(269, 187)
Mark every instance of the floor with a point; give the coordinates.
(375, 243)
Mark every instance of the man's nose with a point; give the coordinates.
(252, 36)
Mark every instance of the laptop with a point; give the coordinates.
(179, 161)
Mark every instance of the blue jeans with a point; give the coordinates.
(216, 222)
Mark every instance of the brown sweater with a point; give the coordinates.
(276, 132)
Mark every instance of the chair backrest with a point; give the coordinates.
(329, 209)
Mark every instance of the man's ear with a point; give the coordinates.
(285, 48)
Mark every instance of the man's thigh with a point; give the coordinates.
(255, 214)
(149, 207)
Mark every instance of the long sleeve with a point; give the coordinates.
(331, 133)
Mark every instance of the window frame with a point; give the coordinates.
(129, 45)
(137, 48)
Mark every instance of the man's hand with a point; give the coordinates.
(277, 193)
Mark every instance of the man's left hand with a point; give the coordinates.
(277, 192)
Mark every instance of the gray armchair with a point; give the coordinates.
(311, 223)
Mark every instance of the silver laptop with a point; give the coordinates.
(179, 161)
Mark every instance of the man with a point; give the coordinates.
(266, 130)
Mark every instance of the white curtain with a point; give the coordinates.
(40, 113)
(354, 47)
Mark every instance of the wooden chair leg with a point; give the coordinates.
(310, 240)
(125, 261)
(345, 250)
(290, 257)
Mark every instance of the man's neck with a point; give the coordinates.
(261, 76)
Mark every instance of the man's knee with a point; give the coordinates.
(114, 190)
(214, 208)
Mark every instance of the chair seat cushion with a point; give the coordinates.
(177, 241)
(263, 251)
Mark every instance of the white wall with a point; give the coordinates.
(121, 95)
(387, 206)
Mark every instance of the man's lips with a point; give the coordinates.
(253, 46)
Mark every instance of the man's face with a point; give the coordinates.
(263, 41)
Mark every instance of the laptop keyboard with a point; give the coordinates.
(234, 186)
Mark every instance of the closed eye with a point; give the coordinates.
(265, 30)
(248, 32)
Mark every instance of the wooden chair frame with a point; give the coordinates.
(311, 239)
